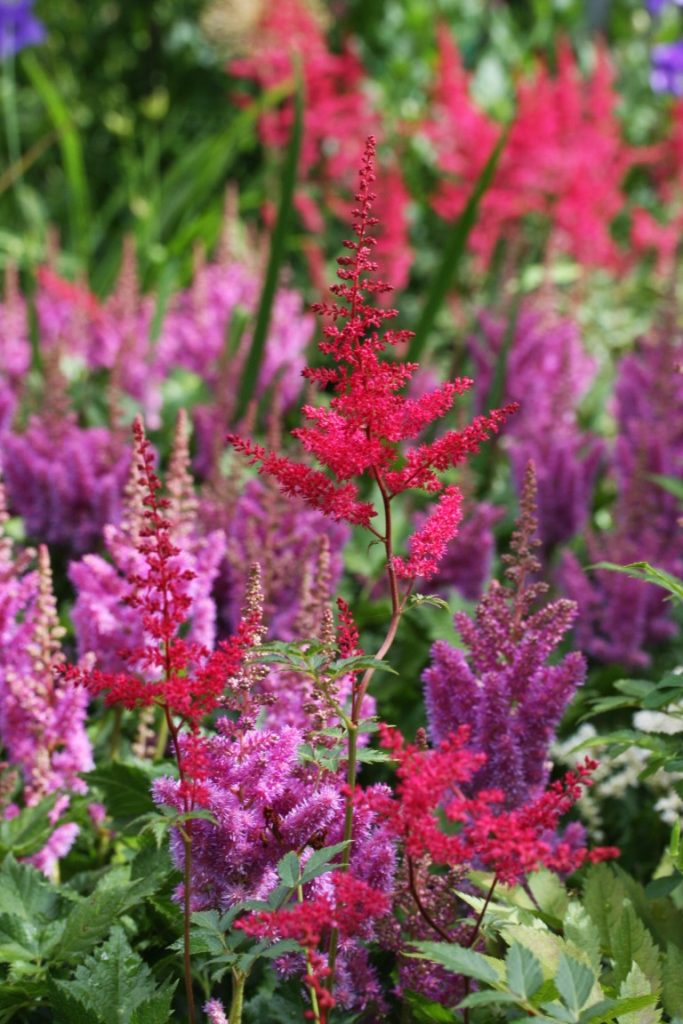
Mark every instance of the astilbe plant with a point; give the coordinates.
(621, 618)
(439, 825)
(504, 691)
(42, 715)
(184, 679)
(362, 435)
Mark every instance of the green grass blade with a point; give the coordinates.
(72, 154)
(277, 253)
(453, 253)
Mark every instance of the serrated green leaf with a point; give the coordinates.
(91, 920)
(574, 982)
(489, 997)
(603, 898)
(67, 1008)
(289, 870)
(648, 574)
(29, 830)
(609, 1010)
(25, 893)
(114, 983)
(457, 959)
(524, 972)
(637, 984)
(370, 755)
(633, 944)
(661, 887)
(672, 980)
(581, 930)
(319, 861)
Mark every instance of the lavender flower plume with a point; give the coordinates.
(502, 688)
(666, 71)
(283, 536)
(547, 372)
(620, 618)
(65, 500)
(42, 716)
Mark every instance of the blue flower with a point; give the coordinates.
(655, 6)
(18, 27)
(666, 74)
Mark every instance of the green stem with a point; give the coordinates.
(162, 739)
(397, 606)
(187, 917)
(239, 979)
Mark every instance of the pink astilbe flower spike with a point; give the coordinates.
(363, 431)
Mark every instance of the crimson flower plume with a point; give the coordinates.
(363, 431)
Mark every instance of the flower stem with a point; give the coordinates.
(237, 1002)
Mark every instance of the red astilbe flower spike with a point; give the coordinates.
(511, 844)
(166, 670)
(368, 420)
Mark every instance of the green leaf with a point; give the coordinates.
(636, 984)
(603, 898)
(289, 870)
(90, 921)
(319, 861)
(582, 932)
(488, 997)
(664, 886)
(457, 959)
(453, 253)
(29, 830)
(574, 982)
(71, 149)
(25, 893)
(609, 1010)
(117, 986)
(524, 972)
(278, 249)
(648, 574)
(672, 980)
(125, 788)
(633, 944)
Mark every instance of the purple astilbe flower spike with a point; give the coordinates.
(619, 618)
(19, 27)
(547, 371)
(283, 535)
(105, 623)
(66, 500)
(503, 689)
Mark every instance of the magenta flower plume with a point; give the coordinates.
(362, 431)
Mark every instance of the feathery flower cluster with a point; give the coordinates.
(176, 673)
(547, 372)
(504, 692)
(42, 715)
(65, 501)
(106, 622)
(359, 434)
(510, 843)
(284, 536)
(338, 117)
(564, 158)
(620, 617)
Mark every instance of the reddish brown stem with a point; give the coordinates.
(422, 910)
